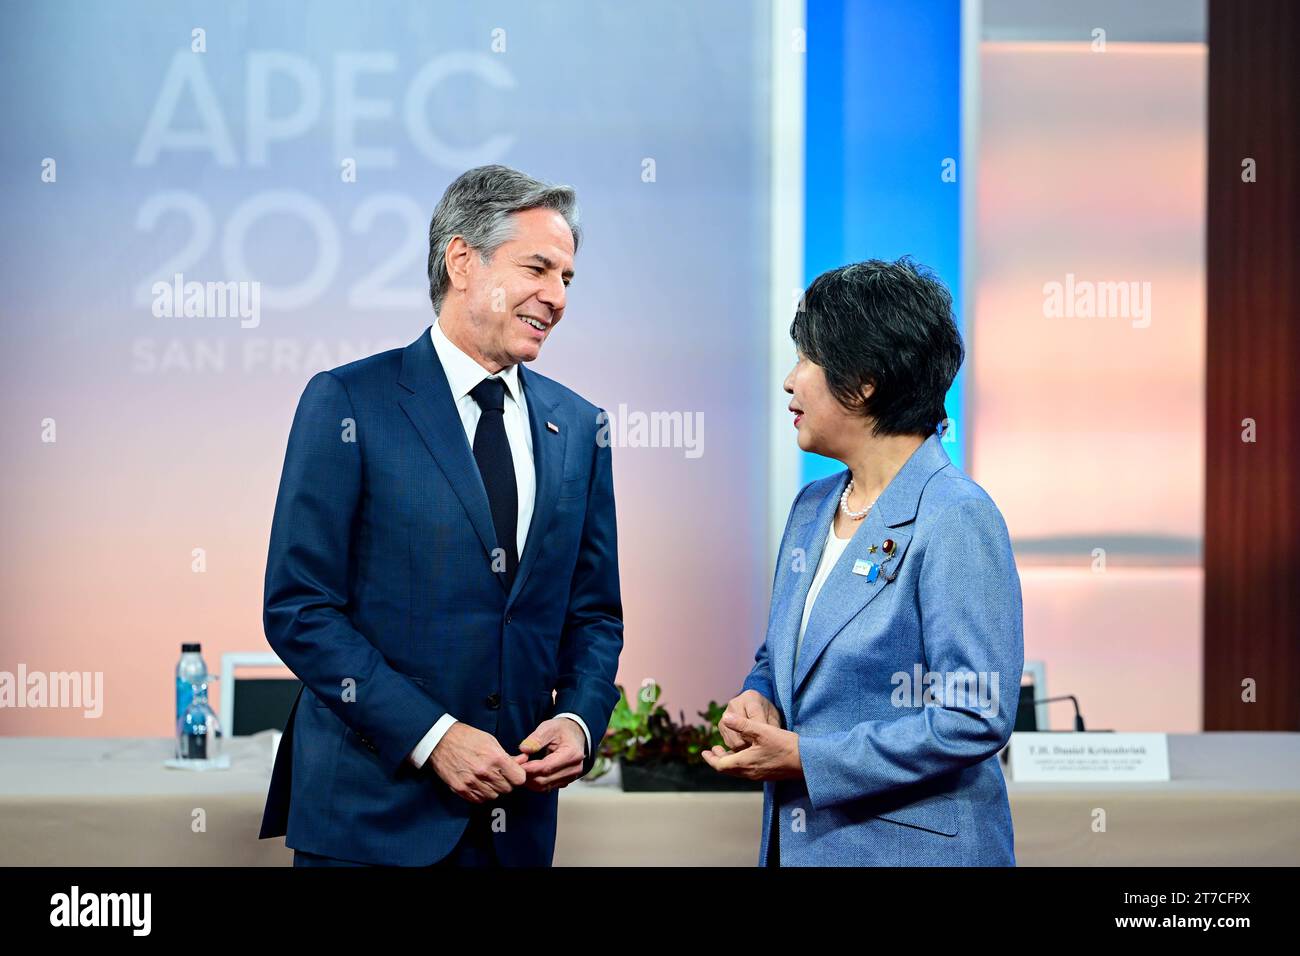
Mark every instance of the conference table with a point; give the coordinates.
(1234, 800)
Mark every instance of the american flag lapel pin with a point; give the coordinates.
(551, 426)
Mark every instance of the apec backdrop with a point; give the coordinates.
(296, 151)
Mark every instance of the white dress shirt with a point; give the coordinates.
(835, 546)
(463, 374)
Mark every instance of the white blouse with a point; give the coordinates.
(834, 547)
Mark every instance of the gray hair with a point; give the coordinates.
(478, 207)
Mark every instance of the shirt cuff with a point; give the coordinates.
(420, 754)
(585, 732)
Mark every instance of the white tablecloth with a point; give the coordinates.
(1234, 800)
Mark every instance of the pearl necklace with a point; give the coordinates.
(844, 504)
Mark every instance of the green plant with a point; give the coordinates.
(647, 734)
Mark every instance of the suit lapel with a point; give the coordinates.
(433, 413)
(807, 541)
(548, 462)
(844, 594)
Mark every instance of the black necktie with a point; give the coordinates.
(497, 467)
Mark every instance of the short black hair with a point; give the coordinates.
(887, 324)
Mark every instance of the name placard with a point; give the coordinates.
(1089, 758)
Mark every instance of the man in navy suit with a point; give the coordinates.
(443, 568)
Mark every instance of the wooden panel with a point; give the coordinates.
(1252, 526)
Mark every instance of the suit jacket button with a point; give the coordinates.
(493, 701)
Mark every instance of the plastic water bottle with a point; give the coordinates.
(198, 733)
(190, 670)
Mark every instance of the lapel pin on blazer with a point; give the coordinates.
(889, 548)
(551, 426)
(868, 569)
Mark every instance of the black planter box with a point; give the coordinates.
(672, 776)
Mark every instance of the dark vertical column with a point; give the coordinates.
(1252, 511)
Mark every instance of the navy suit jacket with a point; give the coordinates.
(380, 596)
(896, 771)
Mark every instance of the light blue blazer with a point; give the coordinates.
(907, 681)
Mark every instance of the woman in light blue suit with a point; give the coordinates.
(890, 675)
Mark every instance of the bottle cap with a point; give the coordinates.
(188, 648)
